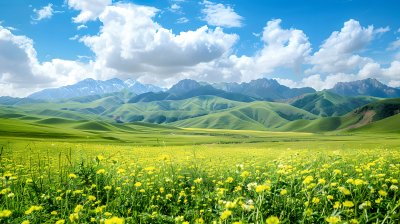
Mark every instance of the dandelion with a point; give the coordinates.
(382, 193)
(348, 204)
(138, 184)
(272, 220)
(245, 174)
(337, 172)
(315, 200)
(283, 192)
(74, 217)
(54, 213)
(107, 188)
(225, 214)
(101, 171)
(72, 176)
(5, 214)
(329, 197)
(332, 220)
(62, 221)
(25, 222)
(198, 180)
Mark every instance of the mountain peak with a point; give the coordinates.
(184, 86)
(370, 87)
(90, 86)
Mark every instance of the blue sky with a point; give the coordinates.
(161, 42)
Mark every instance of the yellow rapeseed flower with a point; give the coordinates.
(332, 220)
(226, 214)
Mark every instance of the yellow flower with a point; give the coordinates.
(329, 197)
(62, 221)
(25, 222)
(226, 214)
(78, 208)
(142, 191)
(198, 180)
(308, 180)
(115, 220)
(72, 176)
(378, 200)
(200, 220)
(338, 172)
(74, 217)
(138, 184)
(5, 214)
(358, 182)
(322, 181)
(272, 220)
(283, 192)
(53, 213)
(92, 198)
(308, 212)
(355, 221)
(245, 174)
(382, 193)
(229, 180)
(332, 220)
(348, 204)
(107, 188)
(161, 190)
(336, 205)
(101, 171)
(315, 200)
(99, 158)
(108, 214)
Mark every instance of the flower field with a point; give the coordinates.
(44, 182)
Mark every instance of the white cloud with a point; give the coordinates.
(74, 37)
(336, 53)
(182, 20)
(394, 45)
(45, 12)
(176, 9)
(11, 28)
(219, 15)
(83, 56)
(382, 30)
(131, 42)
(81, 27)
(282, 48)
(256, 34)
(390, 75)
(90, 9)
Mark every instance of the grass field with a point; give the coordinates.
(290, 177)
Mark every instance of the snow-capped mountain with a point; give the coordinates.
(91, 87)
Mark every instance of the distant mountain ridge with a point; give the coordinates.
(90, 87)
(368, 87)
(263, 88)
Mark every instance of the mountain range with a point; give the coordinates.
(260, 89)
(91, 87)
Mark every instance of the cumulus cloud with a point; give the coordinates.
(389, 75)
(282, 48)
(219, 15)
(90, 9)
(81, 27)
(182, 20)
(11, 28)
(131, 42)
(336, 53)
(45, 12)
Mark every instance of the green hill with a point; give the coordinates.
(252, 116)
(328, 104)
(366, 116)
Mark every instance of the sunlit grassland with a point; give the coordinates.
(294, 177)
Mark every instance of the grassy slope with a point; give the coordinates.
(383, 109)
(328, 104)
(252, 116)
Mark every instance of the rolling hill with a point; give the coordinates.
(328, 104)
(355, 120)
